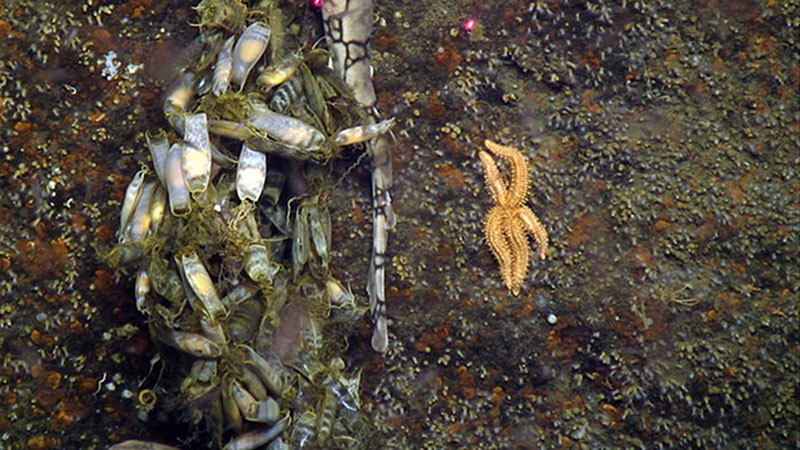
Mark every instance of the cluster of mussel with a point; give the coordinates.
(231, 254)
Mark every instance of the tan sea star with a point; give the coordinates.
(509, 223)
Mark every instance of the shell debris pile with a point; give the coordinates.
(229, 233)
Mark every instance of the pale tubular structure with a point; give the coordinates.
(295, 138)
(158, 208)
(142, 289)
(255, 439)
(132, 195)
(251, 408)
(179, 97)
(158, 144)
(139, 223)
(270, 370)
(230, 408)
(223, 69)
(348, 27)
(196, 156)
(280, 72)
(362, 133)
(201, 283)
(179, 198)
(194, 344)
(257, 262)
(251, 174)
(286, 129)
(248, 50)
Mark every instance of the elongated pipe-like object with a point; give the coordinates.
(348, 28)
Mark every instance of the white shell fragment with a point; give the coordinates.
(257, 438)
(248, 404)
(268, 410)
(362, 133)
(179, 199)
(257, 262)
(269, 370)
(319, 219)
(159, 146)
(142, 289)
(141, 445)
(286, 129)
(248, 50)
(213, 330)
(327, 413)
(140, 221)
(194, 344)
(201, 283)
(132, 195)
(301, 243)
(258, 265)
(233, 130)
(240, 294)
(224, 161)
(279, 73)
(230, 408)
(338, 294)
(158, 208)
(253, 384)
(199, 381)
(179, 97)
(196, 157)
(251, 174)
(180, 94)
(223, 68)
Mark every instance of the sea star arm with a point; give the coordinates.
(518, 186)
(496, 236)
(521, 253)
(535, 227)
(494, 181)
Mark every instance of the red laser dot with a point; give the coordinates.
(469, 24)
(317, 3)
